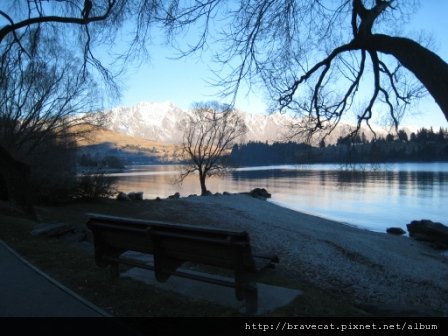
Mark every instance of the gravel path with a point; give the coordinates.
(378, 270)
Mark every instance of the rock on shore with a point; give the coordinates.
(426, 230)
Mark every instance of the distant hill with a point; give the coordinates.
(130, 149)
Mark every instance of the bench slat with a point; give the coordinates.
(188, 236)
(153, 223)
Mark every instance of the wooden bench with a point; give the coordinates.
(174, 244)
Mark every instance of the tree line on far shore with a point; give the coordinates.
(423, 145)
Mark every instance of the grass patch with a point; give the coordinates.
(73, 265)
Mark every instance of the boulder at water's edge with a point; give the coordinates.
(396, 231)
(426, 230)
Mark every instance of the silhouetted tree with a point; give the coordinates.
(402, 135)
(390, 138)
(442, 135)
(209, 132)
(44, 82)
(52, 165)
(422, 135)
(258, 153)
(44, 96)
(322, 143)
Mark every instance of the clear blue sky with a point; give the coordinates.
(184, 81)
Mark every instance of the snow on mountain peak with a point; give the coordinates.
(159, 121)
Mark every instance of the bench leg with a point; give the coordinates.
(246, 289)
(251, 296)
(114, 270)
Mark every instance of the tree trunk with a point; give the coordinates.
(202, 177)
(15, 175)
(429, 68)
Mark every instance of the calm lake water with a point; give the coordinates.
(371, 197)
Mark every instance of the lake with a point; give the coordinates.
(370, 197)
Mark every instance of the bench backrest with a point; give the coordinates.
(197, 244)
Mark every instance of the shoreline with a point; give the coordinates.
(376, 270)
(375, 202)
(373, 272)
(355, 226)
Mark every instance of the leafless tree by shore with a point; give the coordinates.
(209, 134)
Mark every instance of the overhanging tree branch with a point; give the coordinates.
(279, 41)
(14, 27)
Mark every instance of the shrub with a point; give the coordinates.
(53, 175)
(96, 185)
(58, 188)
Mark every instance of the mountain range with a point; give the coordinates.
(160, 122)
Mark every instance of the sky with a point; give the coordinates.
(185, 81)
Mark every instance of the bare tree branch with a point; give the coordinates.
(15, 26)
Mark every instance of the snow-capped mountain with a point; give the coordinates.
(153, 121)
(160, 122)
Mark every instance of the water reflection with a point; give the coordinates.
(392, 195)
